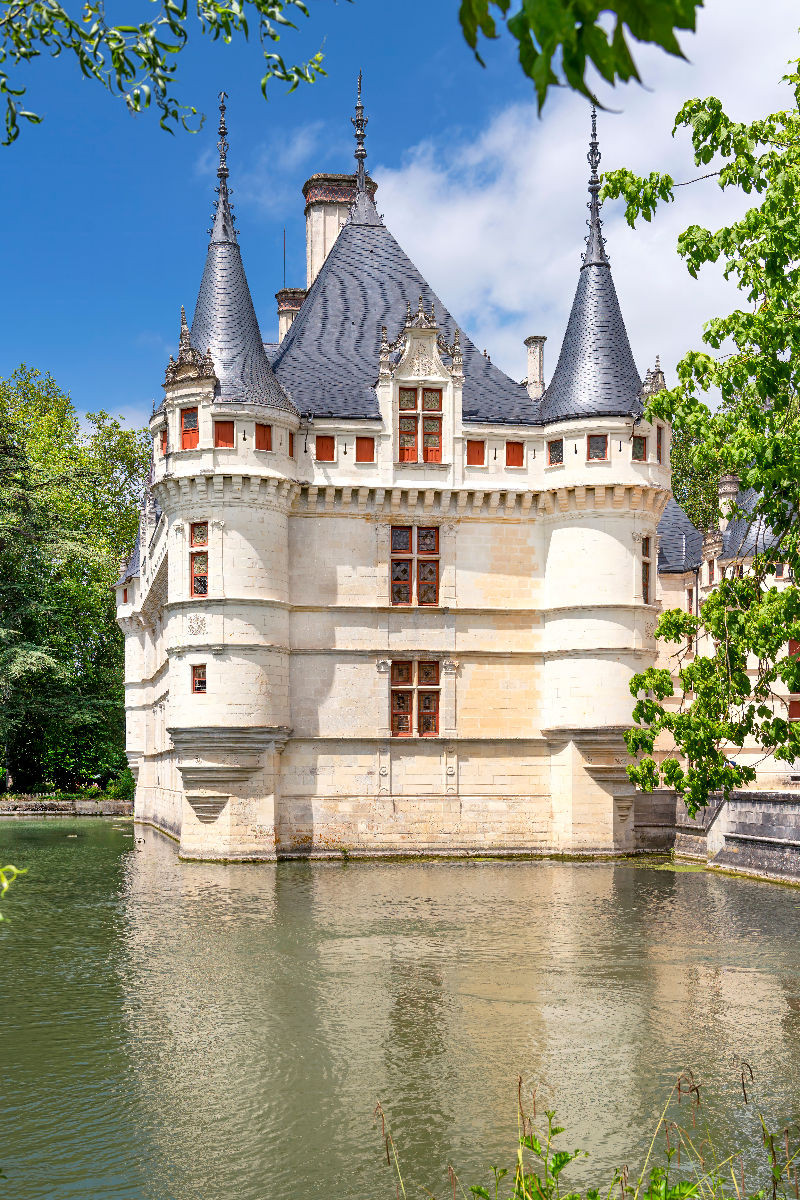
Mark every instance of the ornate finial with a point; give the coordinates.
(222, 144)
(595, 242)
(360, 125)
(185, 341)
(658, 362)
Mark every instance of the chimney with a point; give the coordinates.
(535, 380)
(727, 493)
(328, 202)
(289, 301)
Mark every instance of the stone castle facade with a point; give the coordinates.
(385, 599)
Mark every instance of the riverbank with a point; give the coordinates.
(64, 806)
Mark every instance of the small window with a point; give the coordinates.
(597, 447)
(646, 547)
(414, 564)
(476, 453)
(402, 709)
(690, 600)
(200, 533)
(326, 448)
(414, 691)
(223, 434)
(199, 574)
(639, 451)
(515, 454)
(779, 570)
(407, 428)
(645, 582)
(710, 570)
(263, 437)
(427, 713)
(431, 400)
(365, 449)
(432, 435)
(199, 678)
(163, 440)
(794, 648)
(124, 595)
(794, 710)
(659, 443)
(291, 444)
(189, 429)
(555, 453)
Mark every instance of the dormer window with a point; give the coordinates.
(419, 424)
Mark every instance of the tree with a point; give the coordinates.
(727, 694)
(138, 60)
(69, 503)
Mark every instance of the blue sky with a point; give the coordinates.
(106, 215)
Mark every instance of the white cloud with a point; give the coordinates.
(496, 223)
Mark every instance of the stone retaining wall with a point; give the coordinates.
(43, 806)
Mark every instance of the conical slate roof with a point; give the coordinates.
(595, 374)
(225, 321)
(329, 359)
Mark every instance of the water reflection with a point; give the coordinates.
(203, 1031)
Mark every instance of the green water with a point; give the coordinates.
(198, 1032)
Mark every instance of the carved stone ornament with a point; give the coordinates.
(383, 665)
(191, 364)
(449, 666)
(196, 625)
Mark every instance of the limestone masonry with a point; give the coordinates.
(384, 599)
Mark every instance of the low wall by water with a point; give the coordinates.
(755, 833)
(46, 806)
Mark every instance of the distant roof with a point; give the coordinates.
(746, 536)
(680, 545)
(328, 361)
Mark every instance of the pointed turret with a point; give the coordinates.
(363, 211)
(225, 323)
(595, 374)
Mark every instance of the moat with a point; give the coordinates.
(194, 1032)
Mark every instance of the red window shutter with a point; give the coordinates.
(124, 595)
(476, 453)
(407, 451)
(794, 710)
(659, 443)
(291, 444)
(264, 437)
(190, 434)
(515, 454)
(402, 703)
(428, 714)
(365, 449)
(794, 647)
(326, 447)
(163, 441)
(223, 434)
(431, 439)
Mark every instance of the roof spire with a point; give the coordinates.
(224, 229)
(360, 125)
(595, 243)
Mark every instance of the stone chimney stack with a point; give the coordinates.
(727, 492)
(289, 302)
(328, 201)
(535, 380)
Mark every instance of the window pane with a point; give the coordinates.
(401, 672)
(645, 547)
(428, 572)
(200, 585)
(189, 419)
(401, 570)
(431, 400)
(200, 534)
(200, 564)
(555, 453)
(428, 713)
(401, 702)
(408, 398)
(401, 593)
(639, 453)
(429, 673)
(427, 540)
(199, 678)
(598, 443)
(401, 537)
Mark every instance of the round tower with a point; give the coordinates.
(225, 478)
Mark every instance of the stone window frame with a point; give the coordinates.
(415, 692)
(416, 560)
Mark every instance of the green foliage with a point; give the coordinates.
(137, 59)
(751, 362)
(69, 501)
(123, 787)
(559, 39)
(694, 490)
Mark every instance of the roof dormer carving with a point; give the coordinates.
(191, 364)
(419, 350)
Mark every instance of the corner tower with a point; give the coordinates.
(225, 477)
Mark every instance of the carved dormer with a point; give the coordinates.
(191, 364)
(420, 390)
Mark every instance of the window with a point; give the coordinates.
(555, 453)
(124, 595)
(199, 678)
(515, 454)
(223, 434)
(794, 647)
(646, 597)
(779, 570)
(690, 600)
(710, 570)
(476, 454)
(199, 558)
(263, 437)
(291, 444)
(189, 429)
(414, 564)
(639, 449)
(419, 405)
(659, 443)
(414, 692)
(163, 440)
(794, 710)
(365, 449)
(326, 448)
(596, 447)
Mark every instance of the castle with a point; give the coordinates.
(385, 599)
